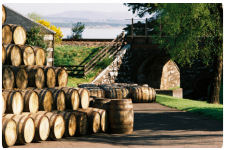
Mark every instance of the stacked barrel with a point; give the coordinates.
(37, 105)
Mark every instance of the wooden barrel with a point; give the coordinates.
(3, 54)
(40, 56)
(119, 84)
(6, 34)
(45, 99)
(121, 116)
(144, 85)
(102, 103)
(116, 92)
(31, 100)
(142, 94)
(8, 79)
(42, 127)
(9, 132)
(70, 123)
(57, 125)
(13, 55)
(84, 85)
(59, 98)
(129, 86)
(27, 54)
(61, 77)
(82, 122)
(36, 76)
(25, 128)
(103, 119)
(105, 85)
(3, 104)
(21, 76)
(14, 101)
(84, 98)
(50, 78)
(72, 98)
(93, 120)
(18, 34)
(96, 91)
(3, 14)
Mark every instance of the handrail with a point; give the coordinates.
(112, 48)
(101, 51)
(109, 49)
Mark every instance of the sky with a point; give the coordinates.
(116, 10)
(46, 9)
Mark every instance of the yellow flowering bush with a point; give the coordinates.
(58, 32)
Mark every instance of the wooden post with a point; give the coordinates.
(132, 28)
(146, 27)
(53, 43)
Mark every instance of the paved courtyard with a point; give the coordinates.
(154, 126)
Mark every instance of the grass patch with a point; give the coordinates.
(74, 81)
(211, 110)
(79, 55)
(74, 55)
(174, 88)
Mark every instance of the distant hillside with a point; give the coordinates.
(90, 24)
(89, 18)
(92, 15)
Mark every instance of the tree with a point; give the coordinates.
(77, 30)
(34, 16)
(189, 32)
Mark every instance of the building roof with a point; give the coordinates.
(13, 17)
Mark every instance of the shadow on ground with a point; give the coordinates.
(155, 127)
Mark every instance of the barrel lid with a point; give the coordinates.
(120, 101)
(98, 99)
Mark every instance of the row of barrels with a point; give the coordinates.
(16, 55)
(43, 125)
(33, 76)
(138, 93)
(33, 100)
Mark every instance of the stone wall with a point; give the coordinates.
(178, 93)
(111, 73)
(86, 43)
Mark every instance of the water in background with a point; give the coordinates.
(103, 32)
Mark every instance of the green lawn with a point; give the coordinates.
(201, 107)
(74, 55)
(74, 81)
(79, 55)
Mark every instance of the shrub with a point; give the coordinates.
(58, 34)
(35, 38)
(77, 30)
